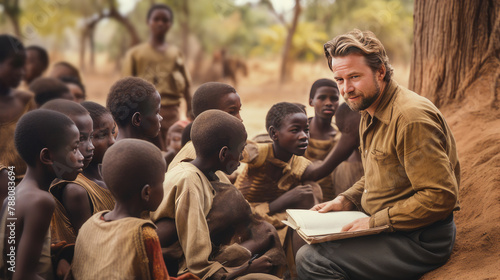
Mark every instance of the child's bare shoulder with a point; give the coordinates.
(31, 199)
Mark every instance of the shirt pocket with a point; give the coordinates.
(385, 172)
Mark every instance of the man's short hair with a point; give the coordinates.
(128, 96)
(360, 42)
(279, 112)
(214, 129)
(40, 129)
(208, 96)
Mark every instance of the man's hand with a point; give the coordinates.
(359, 224)
(340, 203)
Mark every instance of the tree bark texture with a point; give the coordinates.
(286, 60)
(455, 43)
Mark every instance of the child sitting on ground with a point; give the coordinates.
(120, 244)
(135, 106)
(48, 142)
(211, 95)
(219, 139)
(324, 97)
(351, 169)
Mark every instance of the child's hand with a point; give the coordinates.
(260, 265)
(300, 197)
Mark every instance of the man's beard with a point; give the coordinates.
(365, 102)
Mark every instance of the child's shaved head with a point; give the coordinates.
(208, 96)
(46, 89)
(279, 112)
(128, 96)
(69, 108)
(129, 165)
(214, 129)
(40, 129)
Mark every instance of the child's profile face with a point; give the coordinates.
(67, 160)
(233, 157)
(86, 127)
(151, 119)
(12, 70)
(231, 104)
(293, 135)
(325, 102)
(159, 21)
(104, 136)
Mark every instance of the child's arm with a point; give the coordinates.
(75, 200)
(36, 223)
(347, 144)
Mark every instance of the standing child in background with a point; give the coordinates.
(37, 61)
(135, 106)
(351, 169)
(174, 138)
(163, 65)
(324, 97)
(13, 104)
(48, 142)
(120, 244)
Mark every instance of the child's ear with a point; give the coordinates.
(310, 102)
(136, 119)
(272, 133)
(223, 153)
(46, 156)
(146, 193)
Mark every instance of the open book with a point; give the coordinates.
(315, 227)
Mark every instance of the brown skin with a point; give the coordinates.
(104, 131)
(144, 126)
(74, 197)
(35, 206)
(325, 103)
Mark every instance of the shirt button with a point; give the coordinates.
(366, 191)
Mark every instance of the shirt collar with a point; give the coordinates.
(384, 108)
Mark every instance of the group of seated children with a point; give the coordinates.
(85, 207)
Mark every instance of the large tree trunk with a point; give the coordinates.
(455, 43)
(286, 60)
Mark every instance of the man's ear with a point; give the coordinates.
(136, 119)
(381, 72)
(46, 156)
(273, 133)
(223, 153)
(146, 192)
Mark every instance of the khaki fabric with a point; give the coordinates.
(409, 156)
(165, 70)
(256, 184)
(188, 153)
(188, 198)
(111, 249)
(317, 151)
(60, 225)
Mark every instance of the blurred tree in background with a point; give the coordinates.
(244, 28)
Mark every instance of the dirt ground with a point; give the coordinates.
(476, 127)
